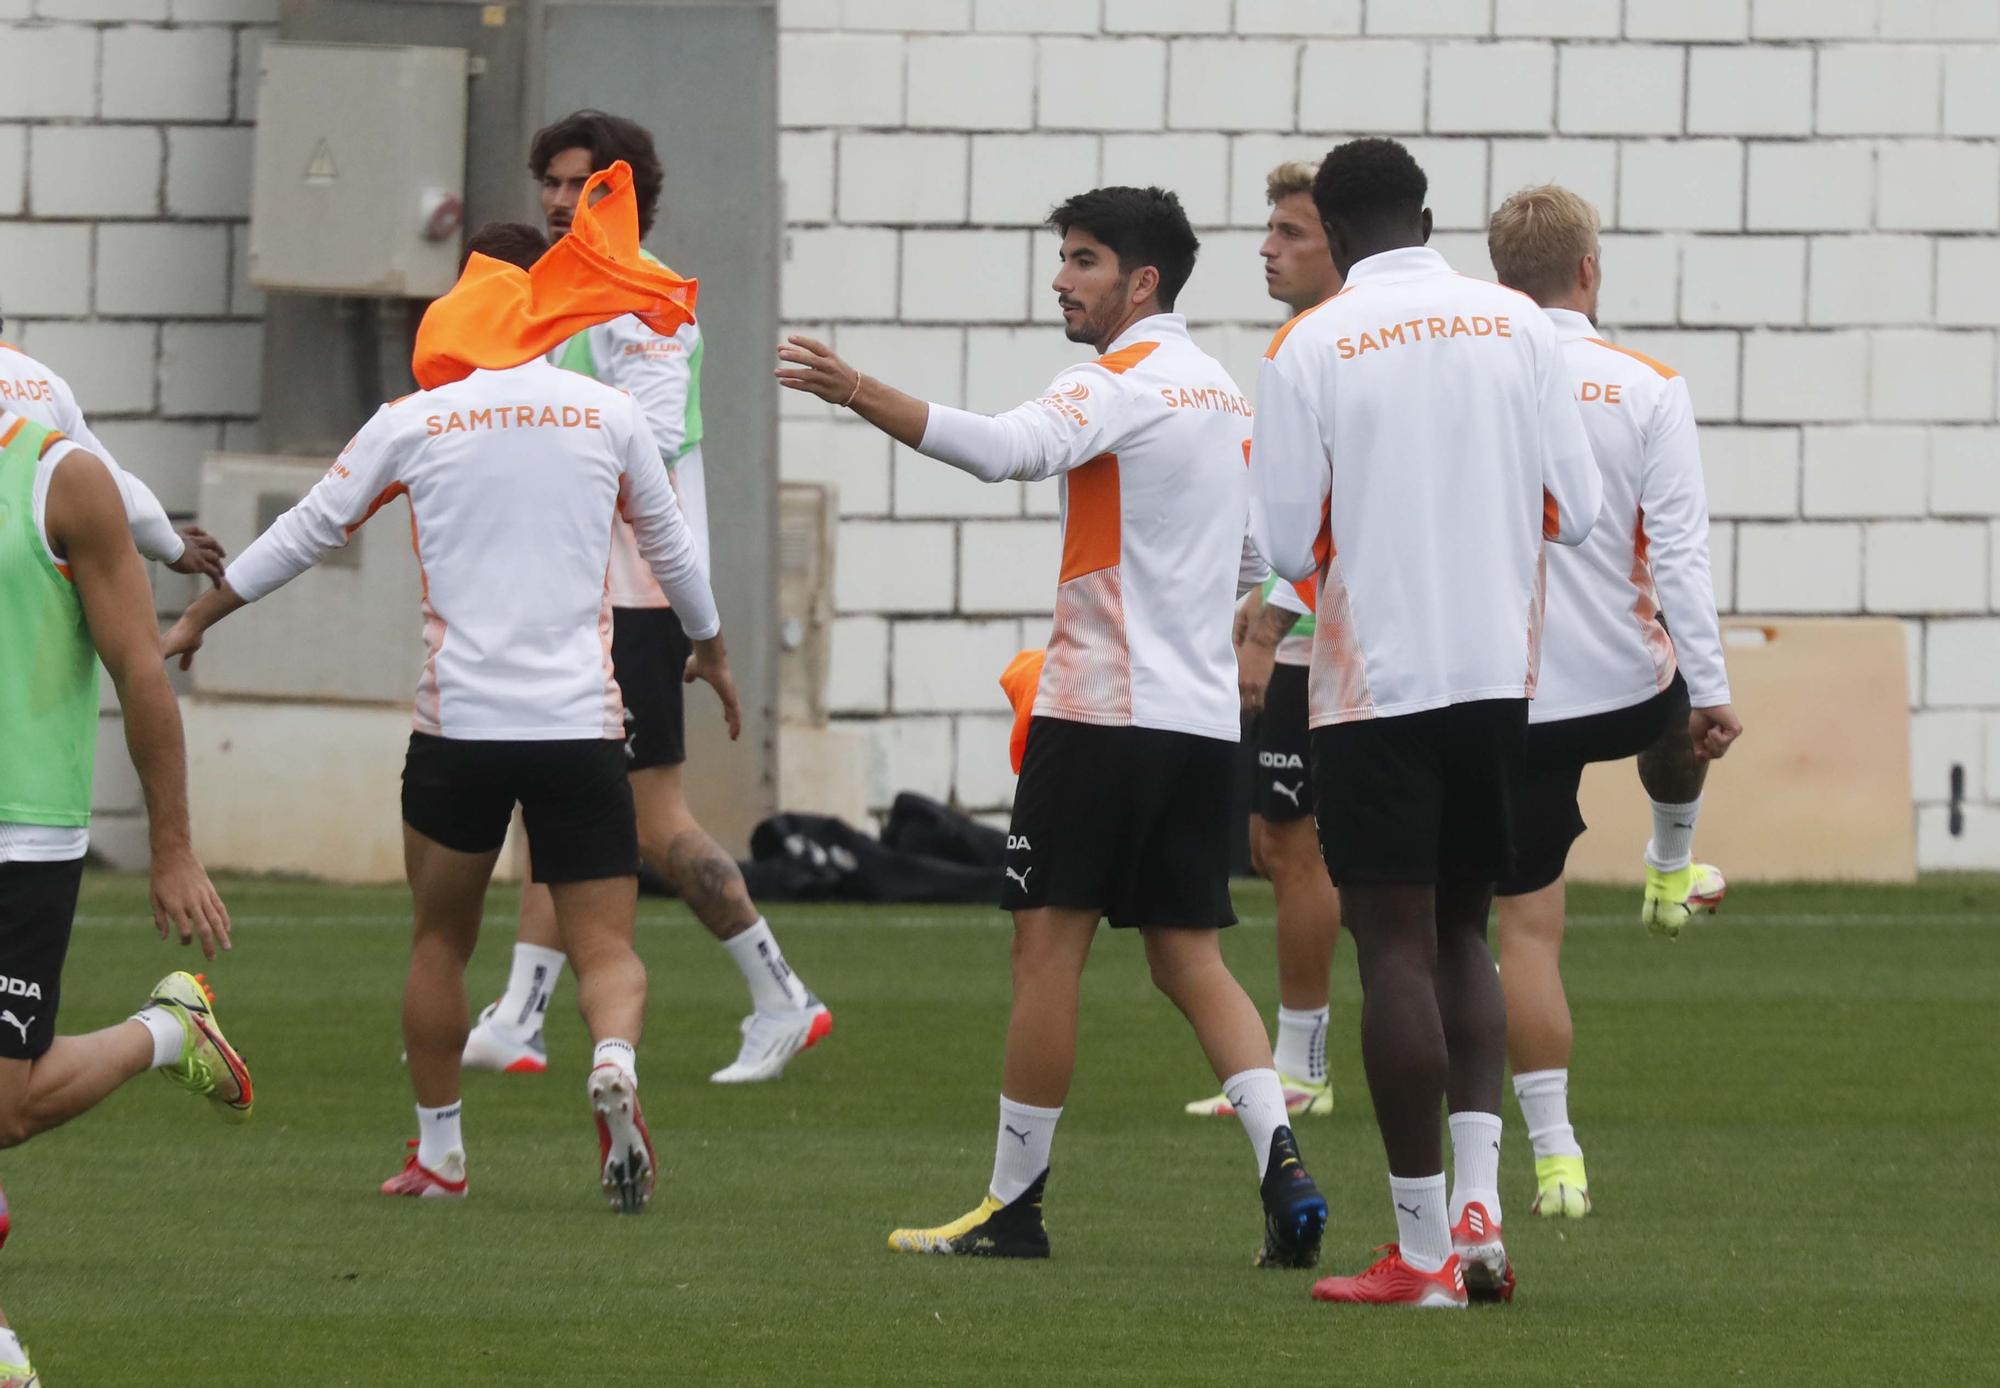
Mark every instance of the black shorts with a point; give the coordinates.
(1130, 822)
(1284, 748)
(1548, 819)
(574, 798)
(37, 909)
(1423, 797)
(649, 655)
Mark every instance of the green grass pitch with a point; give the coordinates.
(1790, 1116)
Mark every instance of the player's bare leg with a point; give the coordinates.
(73, 1076)
(1539, 1038)
(1308, 931)
(1676, 885)
(595, 920)
(1473, 1009)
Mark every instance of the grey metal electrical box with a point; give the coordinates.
(359, 170)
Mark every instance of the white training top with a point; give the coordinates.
(515, 480)
(31, 390)
(1150, 441)
(1603, 646)
(1416, 441)
(1293, 649)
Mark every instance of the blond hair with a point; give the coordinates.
(1292, 176)
(1538, 236)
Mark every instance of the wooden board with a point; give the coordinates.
(1819, 784)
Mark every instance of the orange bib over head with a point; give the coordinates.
(499, 316)
(1022, 680)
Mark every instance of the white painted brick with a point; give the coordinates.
(840, 79)
(952, 666)
(1743, 279)
(1037, 16)
(15, 9)
(98, 11)
(1690, 185)
(1972, 91)
(985, 83)
(1641, 279)
(1228, 284)
(1878, 89)
(1805, 376)
(110, 366)
(48, 72)
(1102, 84)
(1870, 279)
(929, 363)
(1932, 185)
(1557, 19)
(925, 487)
(1859, 472)
(1812, 19)
(908, 754)
(1941, 739)
(1827, 185)
(208, 171)
(59, 253)
(840, 272)
(1722, 563)
(1926, 566)
(1931, 376)
(1314, 17)
(902, 178)
(1709, 361)
(1965, 474)
(1166, 16)
(94, 171)
(1798, 568)
(1492, 88)
(1703, 21)
(1251, 159)
(1962, 663)
(972, 276)
(1457, 173)
(249, 59)
(1913, 659)
(1620, 89)
(1231, 84)
(984, 770)
(857, 674)
(1362, 87)
(851, 458)
(1465, 252)
(805, 166)
(1940, 19)
(901, 15)
(1750, 91)
(167, 74)
(1004, 366)
(1016, 179)
(1429, 17)
(245, 298)
(13, 169)
(1009, 567)
(893, 566)
(1992, 776)
(1977, 847)
(1588, 168)
(1751, 473)
(162, 268)
(211, 368)
(165, 454)
(1194, 166)
(225, 11)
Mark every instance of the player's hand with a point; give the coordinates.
(204, 554)
(1254, 660)
(710, 662)
(1712, 730)
(1246, 613)
(185, 900)
(817, 371)
(181, 639)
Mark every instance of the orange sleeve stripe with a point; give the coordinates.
(1666, 371)
(1551, 515)
(388, 494)
(55, 437)
(1296, 319)
(1125, 358)
(19, 424)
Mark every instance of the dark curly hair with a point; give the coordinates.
(609, 138)
(1142, 226)
(517, 243)
(1369, 183)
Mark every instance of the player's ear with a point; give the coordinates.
(1145, 284)
(1427, 226)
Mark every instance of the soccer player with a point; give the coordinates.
(513, 475)
(649, 645)
(1121, 812)
(1613, 683)
(1416, 441)
(1273, 651)
(73, 592)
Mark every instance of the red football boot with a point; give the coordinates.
(1393, 1282)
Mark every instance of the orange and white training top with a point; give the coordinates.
(515, 479)
(1416, 441)
(1149, 440)
(1603, 646)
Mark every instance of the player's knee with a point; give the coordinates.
(15, 1128)
(1292, 850)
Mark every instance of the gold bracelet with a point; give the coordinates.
(852, 393)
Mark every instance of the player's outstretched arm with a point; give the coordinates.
(814, 369)
(87, 524)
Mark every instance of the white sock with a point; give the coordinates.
(612, 1051)
(1544, 1096)
(10, 1348)
(1301, 1048)
(438, 1135)
(1672, 844)
(531, 982)
(1421, 1227)
(1259, 1101)
(1021, 1149)
(773, 985)
(169, 1037)
(1475, 1163)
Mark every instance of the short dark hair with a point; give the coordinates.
(1142, 226)
(609, 138)
(517, 243)
(1366, 183)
